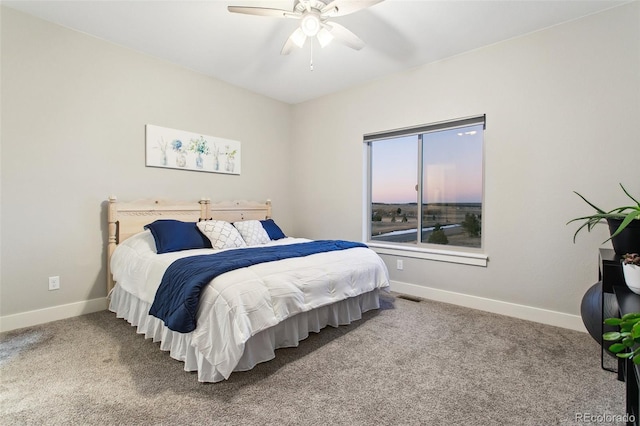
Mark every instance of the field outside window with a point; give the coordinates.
(430, 180)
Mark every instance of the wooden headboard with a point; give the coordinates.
(127, 219)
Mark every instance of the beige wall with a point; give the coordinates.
(562, 109)
(558, 102)
(73, 127)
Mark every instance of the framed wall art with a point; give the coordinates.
(179, 149)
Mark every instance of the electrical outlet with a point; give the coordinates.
(54, 283)
(399, 264)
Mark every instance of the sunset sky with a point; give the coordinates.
(453, 167)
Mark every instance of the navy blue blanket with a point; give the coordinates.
(176, 301)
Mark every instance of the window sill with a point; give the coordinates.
(465, 258)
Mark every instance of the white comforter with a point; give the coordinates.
(241, 303)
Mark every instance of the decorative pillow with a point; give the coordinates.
(274, 231)
(173, 235)
(221, 234)
(252, 232)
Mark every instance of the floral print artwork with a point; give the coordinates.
(179, 149)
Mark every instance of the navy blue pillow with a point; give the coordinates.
(173, 235)
(274, 231)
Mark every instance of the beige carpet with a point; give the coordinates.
(409, 363)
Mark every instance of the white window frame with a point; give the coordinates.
(462, 255)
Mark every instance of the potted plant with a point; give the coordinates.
(631, 271)
(627, 338)
(624, 224)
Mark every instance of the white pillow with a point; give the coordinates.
(252, 232)
(222, 234)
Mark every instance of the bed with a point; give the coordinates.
(245, 314)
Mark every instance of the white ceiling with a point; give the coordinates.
(245, 50)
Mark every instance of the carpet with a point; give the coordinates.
(409, 363)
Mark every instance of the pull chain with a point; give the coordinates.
(311, 61)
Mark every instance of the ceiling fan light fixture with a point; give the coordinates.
(310, 24)
(314, 20)
(324, 37)
(298, 37)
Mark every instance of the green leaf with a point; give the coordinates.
(631, 315)
(613, 321)
(629, 195)
(625, 355)
(611, 336)
(617, 347)
(636, 359)
(588, 202)
(621, 211)
(578, 231)
(628, 342)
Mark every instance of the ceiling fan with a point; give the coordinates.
(315, 21)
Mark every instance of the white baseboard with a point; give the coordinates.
(41, 316)
(544, 316)
(558, 319)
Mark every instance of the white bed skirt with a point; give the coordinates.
(259, 348)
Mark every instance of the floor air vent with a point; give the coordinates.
(410, 298)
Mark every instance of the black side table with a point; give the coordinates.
(610, 274)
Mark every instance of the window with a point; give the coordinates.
(425, 185)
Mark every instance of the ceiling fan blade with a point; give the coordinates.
(345, 7)
(297, 38)
(344, 36)
(262, 11)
